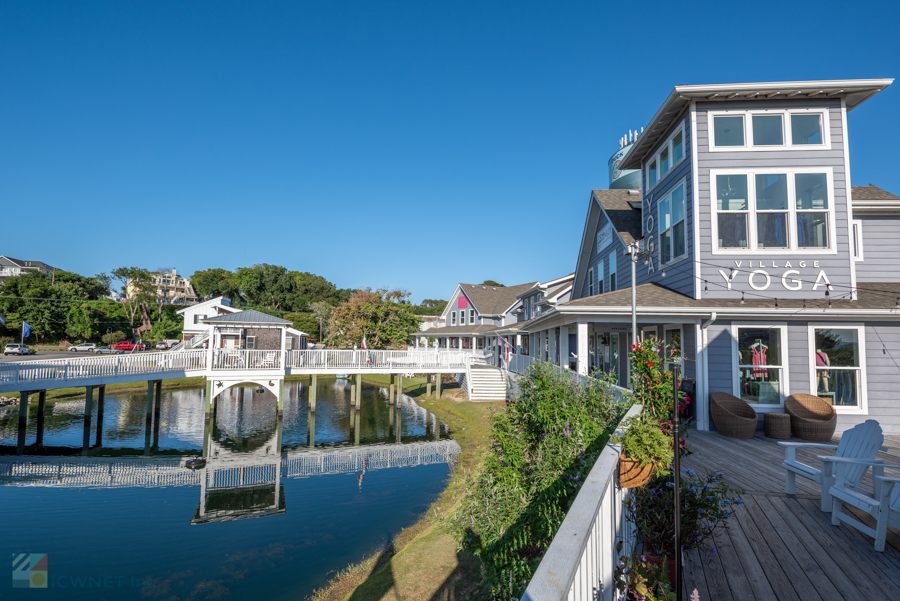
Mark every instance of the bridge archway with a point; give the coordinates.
(220, 385)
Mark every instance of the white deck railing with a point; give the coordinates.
(579, 564)
(362, 359)
(86, 368)
(234, 359)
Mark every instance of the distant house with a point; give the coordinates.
(171, 287)
(197, 326)
(10, 267)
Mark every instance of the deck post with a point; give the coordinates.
(391, 390)
(399, 388)
(101, 401)
(313, 387)
(23, 421)
(280, 397)
(311, 429)
(88, 409)
(355, 417)
(358, 399)
(352, 396)
(437, 386)
(208, 399)
(428, 386)
(42, 400)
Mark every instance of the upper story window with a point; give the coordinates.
(462, 317)
(794, 129)
(773, 209)
(672, 230)
(471, 315)
(452, 318)
(612, 271)
(670, 153)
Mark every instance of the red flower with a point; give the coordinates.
(649, 363)
(681, 442)
(633, 347)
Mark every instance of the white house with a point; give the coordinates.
(196, 327)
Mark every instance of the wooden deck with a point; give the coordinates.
(780, 547)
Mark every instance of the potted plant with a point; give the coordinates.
(706, 503)
(646, 451)
(639, 578)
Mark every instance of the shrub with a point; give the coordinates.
(652, 383)
(113, 337)
(543, 447)
(645, 441)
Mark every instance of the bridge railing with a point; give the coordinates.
(580, 561)
(365, 359)
(86, 368)
(235, 359)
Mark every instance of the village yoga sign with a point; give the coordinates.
(759, 279)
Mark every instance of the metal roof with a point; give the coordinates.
(248, 316)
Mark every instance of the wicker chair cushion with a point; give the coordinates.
(807, 406)
(732, 416)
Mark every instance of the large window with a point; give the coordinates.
(670, 153)
(762, 130)
(838, 365)
(462, 317)
(672, 242)
(471, 316)
(612, 271)
(761, 364)
(773, 209)
(452, 318)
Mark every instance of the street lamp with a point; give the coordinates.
(676, 468)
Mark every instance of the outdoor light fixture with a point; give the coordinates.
(742, 298)
(705, 287)
(828, 296)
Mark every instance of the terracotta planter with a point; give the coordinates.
(631, 474)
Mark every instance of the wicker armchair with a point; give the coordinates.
(733, 417)
(812, 417)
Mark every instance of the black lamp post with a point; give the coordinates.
(676, 467)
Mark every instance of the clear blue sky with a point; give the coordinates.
(403, 144)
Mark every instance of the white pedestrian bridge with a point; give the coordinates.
(226, 364)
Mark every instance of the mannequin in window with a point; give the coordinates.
(758, 357)
(823, 374)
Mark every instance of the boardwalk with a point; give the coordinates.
(782, 548)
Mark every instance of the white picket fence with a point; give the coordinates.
(579, 564)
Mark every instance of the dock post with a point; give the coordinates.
(101, 401)
(158, 401)
(358, 399)
(352, 396)
(207, 425)
(311, 429)
(391, 390)
(279, 424)
(437, 386)
(399, 415)
(208, 399)
(88, 409)
(399, 388)
(428, 385)
(42, 400)
(23, 421)
(313, 388)
(356, 434)
(149, 418)
(280, 397)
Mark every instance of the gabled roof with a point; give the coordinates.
(249, 316)
(493, 300)
(853, 91)
(547, 287)
(872, 199)
(4, 260)
(622, 215)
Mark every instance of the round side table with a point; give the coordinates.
(777, 425)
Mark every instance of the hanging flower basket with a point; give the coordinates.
(632, 474)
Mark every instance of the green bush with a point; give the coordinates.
(652, 382)
(543, 447)
(645, 441)
(113, 337)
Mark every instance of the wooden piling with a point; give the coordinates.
(158, 402)
(280, 397)
(208, 399)
(399, 388)
(391, 390)
(356, 434)
(428, 386)
(23, 421)
(358, 399)
(437, 386)
(311, 429)
(88, 409)
(313, 389)
(148, 425)
(352, 395)
(42, 401)
(101, 402)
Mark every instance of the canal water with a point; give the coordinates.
(281, 505)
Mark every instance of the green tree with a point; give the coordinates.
(383, 316)
(321, 311)
(210, 283)
(81, 322)
(306, 323)
(137, 288)
(430, 306)
(492, 283)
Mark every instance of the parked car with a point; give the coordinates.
(125, 345)
(161, 346)
(16, 349)
(144, 346)
(105, 350)
(87, 347)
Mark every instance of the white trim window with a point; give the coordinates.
(251, 342)
(760, 363)
(612, 272)
(471, 316)
(599, 277)
(754, 130)
(669, 155)
(857, 239)
(838, 365)
(452, 318)
(773, 210)
(591, 281)
(462, 317)
(288, 343)
(672, 225)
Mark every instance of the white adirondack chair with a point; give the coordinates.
(883, 503)
(862, 441)
(268, 361)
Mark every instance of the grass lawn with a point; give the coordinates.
(422, 561)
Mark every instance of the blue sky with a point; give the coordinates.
(401, 144)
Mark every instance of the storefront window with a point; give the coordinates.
(525, 343)
(760, 357)
(836, 357)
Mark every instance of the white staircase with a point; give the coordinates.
(487, 384)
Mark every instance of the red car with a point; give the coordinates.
(125, 346)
